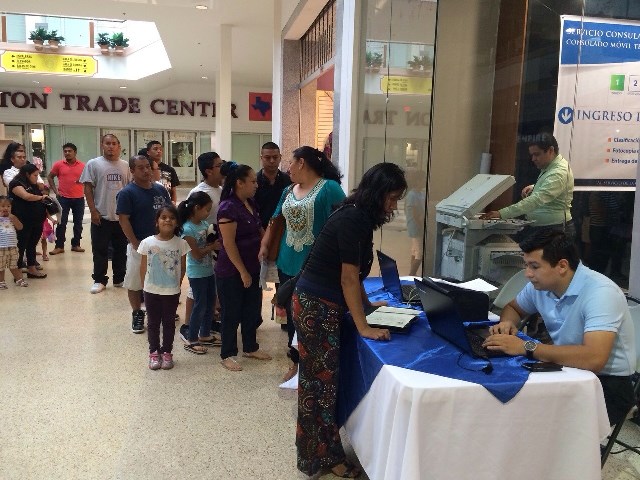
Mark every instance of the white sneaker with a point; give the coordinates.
(119, 285)
(97, 288)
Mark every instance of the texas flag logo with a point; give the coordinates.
(259, 107)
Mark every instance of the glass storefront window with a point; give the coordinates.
(394, 104)
(475, 97)
(182, 154)
(143, 137)
(38, 148)
(85, 138)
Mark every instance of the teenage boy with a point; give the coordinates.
(271, 182)
(168, 176)
(103, 177)
(136, 208)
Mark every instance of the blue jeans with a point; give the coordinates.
(204, 299)
(76, 205)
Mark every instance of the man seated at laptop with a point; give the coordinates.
(585, 313)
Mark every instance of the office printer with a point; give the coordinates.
(461, 234)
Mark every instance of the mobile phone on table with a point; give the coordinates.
(542, 366)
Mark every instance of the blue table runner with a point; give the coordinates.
(361, 359)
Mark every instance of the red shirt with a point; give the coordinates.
(68, 175)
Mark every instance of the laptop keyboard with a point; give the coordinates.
(476, 341)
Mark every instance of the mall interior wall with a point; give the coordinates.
(161, 109)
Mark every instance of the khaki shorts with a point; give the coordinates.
(132, 279)
(8, 258)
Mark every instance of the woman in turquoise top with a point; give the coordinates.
(306, 208)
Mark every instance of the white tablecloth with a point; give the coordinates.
(413, 425)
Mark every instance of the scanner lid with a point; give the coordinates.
(472, 197)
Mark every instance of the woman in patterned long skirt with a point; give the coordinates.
(331, 284)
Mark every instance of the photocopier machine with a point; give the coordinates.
(468, 247)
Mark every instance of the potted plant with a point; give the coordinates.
(38, 36)
(425, 62)
(119, 42)
(104, 42)
(54, 39)
(373, 61)
(420, 63)
(415, 64)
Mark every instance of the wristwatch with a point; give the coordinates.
(530, 347)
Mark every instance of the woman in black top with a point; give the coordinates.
(27, 205)
(331, 284)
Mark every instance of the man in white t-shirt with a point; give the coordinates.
(209, 164)
(103, 178)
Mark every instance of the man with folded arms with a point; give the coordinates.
(585, 313)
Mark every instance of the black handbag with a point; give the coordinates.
(51, 206)
(285, 290)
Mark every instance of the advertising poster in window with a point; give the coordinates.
(597, 122)
(182, 154)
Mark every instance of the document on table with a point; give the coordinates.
(392, 316)
(478, 284)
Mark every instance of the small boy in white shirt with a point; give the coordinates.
(9, 244)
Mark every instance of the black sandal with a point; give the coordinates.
(33, 275)
(195, 348)
(351, 471)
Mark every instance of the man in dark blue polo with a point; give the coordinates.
(136, 207)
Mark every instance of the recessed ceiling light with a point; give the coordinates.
(123, 86)
(202, 7)
(205, 78)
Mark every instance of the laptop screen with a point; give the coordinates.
(390, 275)
(442, 314)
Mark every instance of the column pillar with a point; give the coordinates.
(276, 97)
(346, 78)
(223, 94)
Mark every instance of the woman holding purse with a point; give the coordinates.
(305, 208)
(29, 208)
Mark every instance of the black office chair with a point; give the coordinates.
(634, 308)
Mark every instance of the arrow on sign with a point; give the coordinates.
(565, 115)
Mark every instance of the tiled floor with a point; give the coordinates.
(626, 465)
(78, 401)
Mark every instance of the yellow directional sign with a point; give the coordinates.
(405, 84)
(49, 63)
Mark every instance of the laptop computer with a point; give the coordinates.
(391, 281)
(472, 306)
(445, 321)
